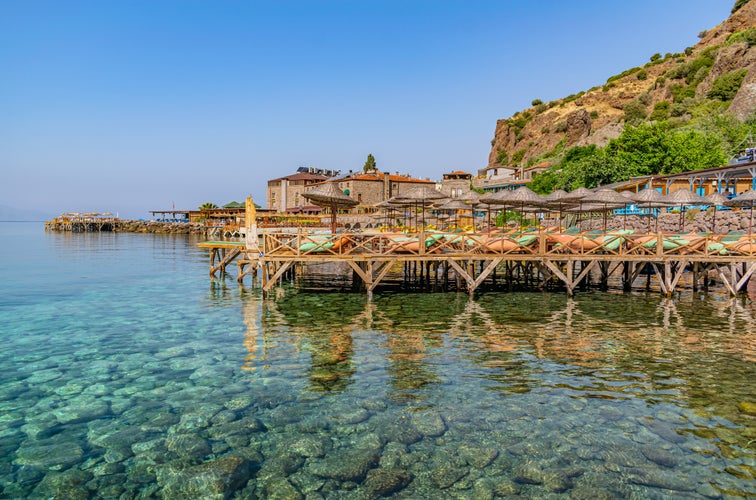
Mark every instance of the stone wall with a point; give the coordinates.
(693, 220)
(140, 226)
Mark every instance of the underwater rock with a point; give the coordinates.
(662, 430)
(282, 489)
(528, 473)
(49, 455)
(659, 479)
(188, 445)
(430, 424)
(384, 482)
(70, 485)
(747, 407)
(81, 409)
(216, 479)
(659, 456)
(310, 446)
(478, 456)
(346, 464)
(447, 474)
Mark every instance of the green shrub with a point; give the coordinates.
(655, 57)
(726, 86)
(738, 5)
(688, 51)
(661, 111)
(642, 75)
(635, 113)
(680, 92)
(594, 114)
(518, 156)
(502, 157)
(541, 108)
(561, 127)
(678, 110)
(608, 86)
(702, 33)
(644, 98)
(748, 36)
(536, 102)
(545, 130)
(660, 82)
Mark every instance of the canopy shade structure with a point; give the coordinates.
(420, 196)
(746, 199)
(685, 198)
(328, 195)
(651, 198)
(715, 200)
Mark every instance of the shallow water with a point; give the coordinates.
(126, 372)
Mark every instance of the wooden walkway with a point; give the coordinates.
(468, 260)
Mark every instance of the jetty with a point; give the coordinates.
(465, 261)
(77, 222)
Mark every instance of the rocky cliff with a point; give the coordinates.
(667, 87)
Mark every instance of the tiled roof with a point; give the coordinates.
(301, 176)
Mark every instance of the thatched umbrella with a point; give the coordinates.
(329, 195)
(746, 199)
(605, 200)
(420, 196)
(454, 206)
(558, 201)
(577, 195)
(685, 198)
(715, 200)
(651, 198)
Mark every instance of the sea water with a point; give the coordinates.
(126, 372)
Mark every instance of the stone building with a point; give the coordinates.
(285, 193)
(456, 184)
(369, 188)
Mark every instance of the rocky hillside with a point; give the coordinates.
(669, 87)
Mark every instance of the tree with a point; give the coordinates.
(369, 164)
(207, 206)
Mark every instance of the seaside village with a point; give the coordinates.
(468, 231)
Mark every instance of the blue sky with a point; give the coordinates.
(131, 106)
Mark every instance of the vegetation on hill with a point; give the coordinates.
(678, 112)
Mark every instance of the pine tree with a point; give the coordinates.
(369, 164)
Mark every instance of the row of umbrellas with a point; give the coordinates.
(524, 199)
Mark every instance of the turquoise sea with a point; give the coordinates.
(126, 372)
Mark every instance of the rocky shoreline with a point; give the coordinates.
(151, 226)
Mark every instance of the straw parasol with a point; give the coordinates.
(420, 196)
(329, 195)
(558, 201)
(651, 198)
(605, 200)
(454, 206)
(577, 195)
(715, 200)
(685, 197)
(745, 199)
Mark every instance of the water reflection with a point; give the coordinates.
(695, 354)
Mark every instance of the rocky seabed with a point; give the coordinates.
(128, 432)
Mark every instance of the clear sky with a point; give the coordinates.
(130, 106)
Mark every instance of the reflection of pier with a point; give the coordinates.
(469, 261)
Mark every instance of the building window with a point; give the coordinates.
(296, 199)
(359, 197)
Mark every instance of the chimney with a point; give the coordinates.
(386, 186)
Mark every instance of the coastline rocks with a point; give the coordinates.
(139, 226)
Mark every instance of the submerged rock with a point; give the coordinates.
(217, 479)
(384, 482)
(70, 485)
(346, 464)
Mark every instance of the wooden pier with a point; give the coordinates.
(82, 222)
(467, 261)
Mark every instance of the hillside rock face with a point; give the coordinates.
(597, 115)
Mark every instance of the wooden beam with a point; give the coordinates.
(272, 281)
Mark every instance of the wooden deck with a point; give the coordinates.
(470, 259)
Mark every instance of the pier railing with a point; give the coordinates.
(619, 244)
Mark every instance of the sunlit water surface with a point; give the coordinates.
(126, 372)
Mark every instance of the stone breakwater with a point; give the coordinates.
(150, 226)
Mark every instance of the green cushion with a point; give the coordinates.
(311, 245)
